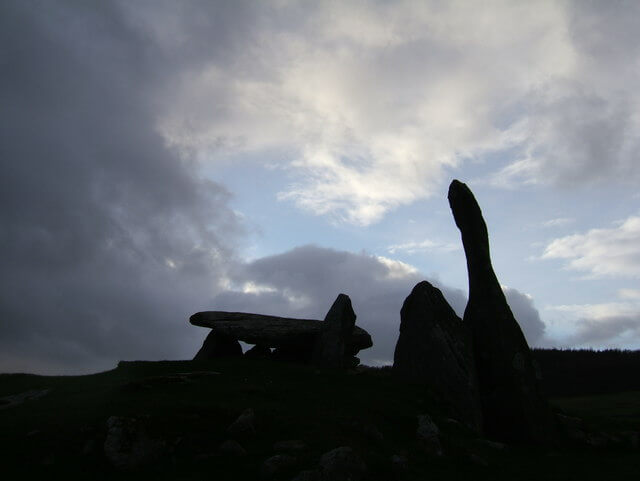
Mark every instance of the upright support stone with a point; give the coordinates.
(434, 349)
(331, 344)
(513, 405)
(218, 345)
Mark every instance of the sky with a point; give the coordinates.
(160, 158)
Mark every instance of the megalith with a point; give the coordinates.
(331, 345)
(218, 345)
(513, 405)
(434, 349)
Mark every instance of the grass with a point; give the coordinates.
(61, 434)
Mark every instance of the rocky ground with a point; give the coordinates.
(254, 419)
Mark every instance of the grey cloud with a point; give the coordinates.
(304, 282)
(581, 127)
(527, 315)
(605, 332)
(108, 238)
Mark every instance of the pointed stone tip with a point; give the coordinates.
(456, 188)
(424, 285)
(425, 288)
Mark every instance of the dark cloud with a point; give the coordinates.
(108, 239)
(304, 282)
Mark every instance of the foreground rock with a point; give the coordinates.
(341, 464)
(513, 405)
(232, 448)
(218, 345)
(17, 399)
(276, 465)
(428, 435)
(127, 446)
(434, 349)
(244, 426)
(288, 335)
(333, 343)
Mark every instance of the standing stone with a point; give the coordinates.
(331, 343)
(218, 345)
(513, 405)
(434, 349)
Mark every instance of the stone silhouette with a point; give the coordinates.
(434, 349)
(513, 405)
(272, 331)
(333, 343)
(302, 340)
(218, 345)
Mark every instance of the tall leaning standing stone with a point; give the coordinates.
(434, 349)
(513, 405)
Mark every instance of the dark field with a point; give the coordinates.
(62, 433)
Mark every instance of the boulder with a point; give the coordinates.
(243, 426)
(331, 344)
(513, 405)
(127, 445)
(218, 345)
(434, 349)
(277, 465)
(273, 331)
(428, 435)
(341, 464)
(232, 448)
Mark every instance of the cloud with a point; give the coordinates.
(304, 281)
(599, 326)
(370, 106)
(109, 239)
(526, 314)
(422, 246)
(559, 221)
(629, 293)
(581, 125)
(609, 252)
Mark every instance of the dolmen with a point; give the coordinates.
(333, 342)
(480, 367)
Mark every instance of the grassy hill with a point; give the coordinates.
(185, 408)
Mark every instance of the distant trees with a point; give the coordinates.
(568, 372)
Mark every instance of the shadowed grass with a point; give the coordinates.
(61, 434)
